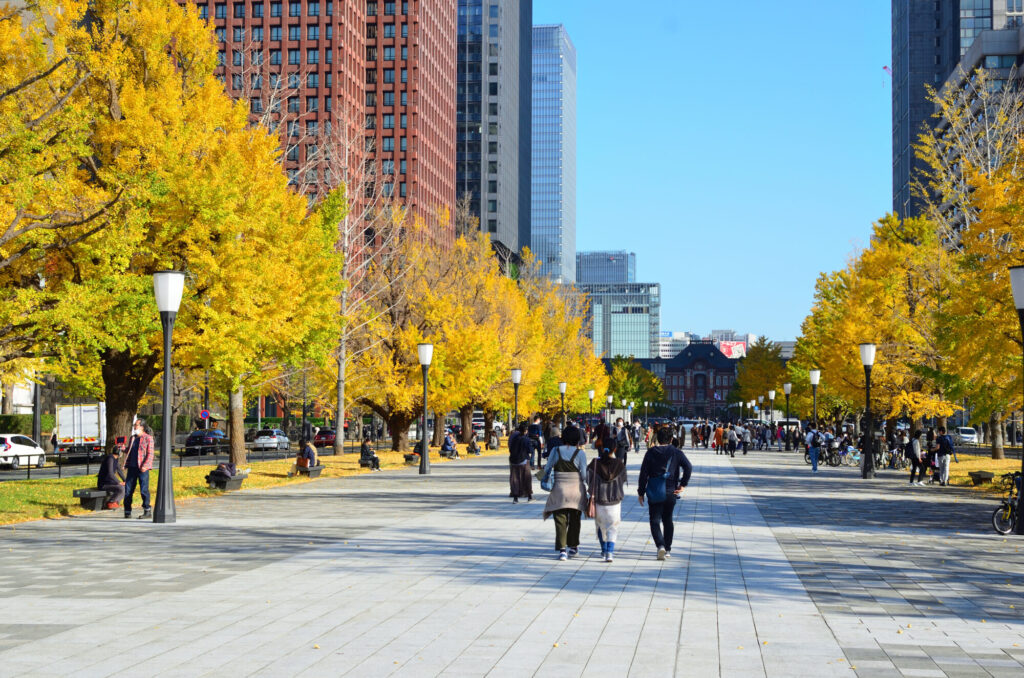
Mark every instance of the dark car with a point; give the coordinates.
(324, 438)
(211, 440)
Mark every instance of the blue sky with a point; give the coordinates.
(739, 148)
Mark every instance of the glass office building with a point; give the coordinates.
(624, 318)
(605, 267)
(553, 186)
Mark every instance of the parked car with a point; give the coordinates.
(210, 441)
(965, 435)
(325, 437)
(271, 439)
(18, 449)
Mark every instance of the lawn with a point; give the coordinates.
(22, 500)
(970, 462)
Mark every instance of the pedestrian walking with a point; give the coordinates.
(661, 484)
(137, 466)
(695, 435)
(567, 498)
(813, 442)
(732, 439)
(536, 433)
(913, 452)
(746, 438)
(607, 477)
(718, 439)
(944, 448)
(520, 452)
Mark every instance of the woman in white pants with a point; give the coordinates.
(606, 476)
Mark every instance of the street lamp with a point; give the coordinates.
(590, 412)
(1017, 283)
(561, 389)
(609, 409)
(815, 377)
(646, 403)
(787, 388)
(517, 377)
(867, 358)
(760, 407)
(426, 353)
(167, 288)
(771, 407)
(631, 406)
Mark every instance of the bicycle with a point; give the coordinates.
(1004, 518)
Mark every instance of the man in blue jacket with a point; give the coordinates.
(660, 482)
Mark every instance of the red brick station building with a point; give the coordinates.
(697, 381)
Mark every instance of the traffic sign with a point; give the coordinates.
(205, 414)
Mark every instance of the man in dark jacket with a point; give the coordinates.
(111, 478)
(520, 452)
(536, 433)
(662, 464)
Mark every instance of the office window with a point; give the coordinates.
(220, 33)
(275, 34)
(492, 128)
(401, 189)
(275, 81)
(405, 53)
(239, 10)
(313, 80)
(387, 166)
(389, 98)
(389, 75)
(404, 121)
(329, 56)
(492, 50)
(293, 128)
(405, 75)
(311, 129)
(369, 144)
(295, 32)
(371, 76)
(257, 33)
(388, 144)
(327, 106)
(204, 11)
(371, 8)
(312, 56)
(294, 57)
(389, 121)
(293, 80)
(401, 144)
(492, 88)
(330, 9)
(492, 11)
(492, 146)
(293, 104)
(257, 10)
(313, 9)
(403, 98)
(293, 177)
(239, 34)
(492, 31)
(492, 69)
(389, 30)
(236, 81)
(371, 53)
(389, 54)
(371, 98)
(275, 9)
(220, 11)
(492, 206)
(312, 104)
(311, 177)
(401, 167)
(405, 30)
(293, 153)
(389, 9)
(312, 32)
(371, 31)
(492, 225)
(236, 57)
(275, 57)
(371, 122)
(256, 105)
(387, 190)
(405, 6)
(330, 32)
(327, 82)
(492, 167)
(221, 58)
(492, 186)
(256, 81)
(294, 9)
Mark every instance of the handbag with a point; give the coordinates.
(591, 503)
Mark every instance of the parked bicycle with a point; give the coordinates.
(1004, 518)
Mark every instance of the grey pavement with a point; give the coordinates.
(774, 573)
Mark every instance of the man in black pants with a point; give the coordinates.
(659, 480)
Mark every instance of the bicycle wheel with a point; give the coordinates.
(807, 458)
(833, 458)
(1003, 519)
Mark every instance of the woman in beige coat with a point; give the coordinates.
(567, 499)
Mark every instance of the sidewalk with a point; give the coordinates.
(397, 574)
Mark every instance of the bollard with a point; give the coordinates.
(60, 464)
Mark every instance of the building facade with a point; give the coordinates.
(605, 267)
(361, 87)
(623, 318)
(929, 37)
(494, 46)
(553, 162)
(697, 380)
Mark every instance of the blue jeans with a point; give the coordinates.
(132, 476)
(814, 458)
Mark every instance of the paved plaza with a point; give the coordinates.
(775, 572)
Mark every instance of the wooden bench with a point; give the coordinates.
(981, 477)
(226, 484)
(311, 471)
(411, 458)
(91, 498)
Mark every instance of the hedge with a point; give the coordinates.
(22, 424)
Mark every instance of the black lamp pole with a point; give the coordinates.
(424, 447)
(787, 423)
(163, 509)
(869, 435)
(1019, 525)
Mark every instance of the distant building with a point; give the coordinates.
(624, 318)
(605, 267)
(697, 381)
(671, 343)
(553, 161)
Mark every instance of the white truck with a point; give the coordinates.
(81, 429)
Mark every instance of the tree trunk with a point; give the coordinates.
(466, 415)
(286, 414)
(125, 380)
(236, 426)
(984, 432)
(398, 425)
(996, 427)
(940, 422)
(7, 406)
(488, 427)
(438, 430)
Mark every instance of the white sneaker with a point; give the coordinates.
(919, 483)
(661, 553)
(668, 554)
(573, 552)
(562, 555)
(608, 558)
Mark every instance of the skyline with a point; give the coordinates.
(804, 171)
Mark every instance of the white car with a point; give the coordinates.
(271, 439)
(18, 449)
(967, 434)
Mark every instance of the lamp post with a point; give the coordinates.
(787, 388)
(646, 403)
(771, 407)
(590, 413)
(631, 406)
(167, 288)
(1017, 283)
(814, 376)
(517, 377)
(426, 353)
(561, 389)
(609, 408)
(867, 358)
(760, 407)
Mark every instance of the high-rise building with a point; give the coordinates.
(928, 39)
(553, 210)
(363, 86)
(624, 318)
(494, 115)
(605, 267)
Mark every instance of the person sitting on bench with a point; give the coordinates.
(222, 473)
(305, 458)
(472, 447)
(448, 447)
(111, 478)
(367, 457)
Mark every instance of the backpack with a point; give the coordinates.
(622, 440)
(657, 491)
(816, 440)
(944, 446)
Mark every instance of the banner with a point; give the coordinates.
(733, 349)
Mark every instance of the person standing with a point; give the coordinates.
(718, 440)
(137, 466)
(621, 440)
(607, 478)
(914, 455)
(813, 441)
(732, 439)
(660, 482)
(745, 433)
(943, 449)
(520, 453)
(536, 433)
(568, 496)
